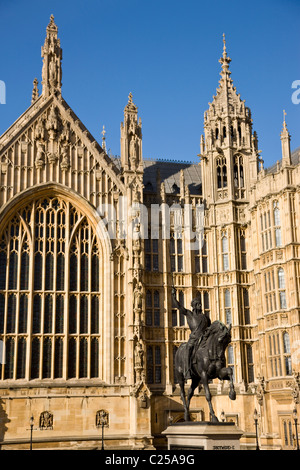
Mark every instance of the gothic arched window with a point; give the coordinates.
(287, 353)
(221, 172)
(281, 286)
(50, 292)
(238, 172)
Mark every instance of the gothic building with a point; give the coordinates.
(87, 324)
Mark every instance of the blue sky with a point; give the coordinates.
(166, 53)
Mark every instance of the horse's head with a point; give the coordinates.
(218, 336)
(225, 334)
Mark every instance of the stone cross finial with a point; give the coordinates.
(225, 60)
(224, 45)
(284, 115)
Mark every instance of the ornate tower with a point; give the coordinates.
(131, 139)
(52, 56)
(229, 150)
(229, 167)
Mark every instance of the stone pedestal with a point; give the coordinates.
(203, 435)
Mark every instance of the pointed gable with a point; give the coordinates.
(48, 142)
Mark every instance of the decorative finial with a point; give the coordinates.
(130, 107)
(35, 91)
(224, 45)
(285, 143)
(284, 122)
(52, 56)
(103, 138)
(225, 60)
(52, 26)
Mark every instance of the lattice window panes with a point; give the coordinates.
(287, 433)
(152, 308)
(225, 251)
(119, 316)
(201, 254)
(270, 292)
(277, 223)
(227, 307)
(40, 278)
(238, 172)
(287, 353)
(221, 170)
(231, 360)
(250, 363)
(275, 355)
(151, 254)
(154, 364)
(176, 251)
(265, 227)
(242, 250)
(245, 305)
(281, 288)
(84, 302)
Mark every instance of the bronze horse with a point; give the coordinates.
(208, 363)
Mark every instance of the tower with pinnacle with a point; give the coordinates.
(229, 152)
(52, 57)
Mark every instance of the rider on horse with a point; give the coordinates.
(198, 322)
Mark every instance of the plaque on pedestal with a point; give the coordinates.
(203, 435)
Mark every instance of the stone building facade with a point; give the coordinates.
(90, 247)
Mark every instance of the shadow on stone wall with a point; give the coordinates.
(3, 421)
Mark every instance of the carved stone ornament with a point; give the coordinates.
(46, 420)
(102, 418)
(40, 154)
(260, 390)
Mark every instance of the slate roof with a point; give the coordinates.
(295, 158)
(170, 173)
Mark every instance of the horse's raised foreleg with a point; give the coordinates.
(194, 385)
(227, 374)
(181, 382)
(204, 381)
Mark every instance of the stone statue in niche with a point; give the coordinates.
(52, 71)
(138, 355)
(132, 151)
(40, 154)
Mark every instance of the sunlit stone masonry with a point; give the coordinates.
(90, 247)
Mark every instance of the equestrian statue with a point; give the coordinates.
(202, 358)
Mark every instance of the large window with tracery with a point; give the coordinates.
(50, 293)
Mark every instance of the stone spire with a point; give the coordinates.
(225, 60)
(228, 152)
(285, 143)
(52, 56)
(35, 91)
(131, 138)
(228, 121)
